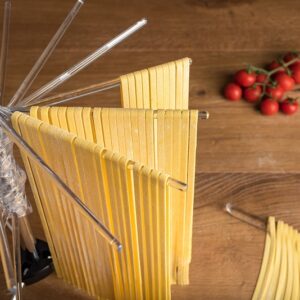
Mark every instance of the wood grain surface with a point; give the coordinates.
(243, 157)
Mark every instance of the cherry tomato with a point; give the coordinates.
(261, 78)
(252, 93)
(297, 63)
(289, 106)
(269, 107)
(244, 78)
(289, 56)
(233, 92)
(275, 92)
(273, 65)
(295, 69)
(285, 81)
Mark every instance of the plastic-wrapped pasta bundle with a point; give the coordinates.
(161, 87)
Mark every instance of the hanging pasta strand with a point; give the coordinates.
(83, 154)
(279, 273)
(132, 199)
(164, 86)
(193, 129)
(44, 114)
(165, 140)
(30, 131)
(34, 181)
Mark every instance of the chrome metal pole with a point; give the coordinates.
(47, 88)
(37, 67)
(17, 256)
(6, 258)
(4, 46)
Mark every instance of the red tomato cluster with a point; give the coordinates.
(268, 87)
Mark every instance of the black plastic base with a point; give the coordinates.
(34, 270)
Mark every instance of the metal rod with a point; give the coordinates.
(28, 237)
(6, 258)
(96, 88)
(17, 256)
(246, 217)
(7, 224)
(4, 46)
(44, 90)
(172, 181)
(18, 140)
(78, 93)
(46, 54)
(177, 184)
(203, 115)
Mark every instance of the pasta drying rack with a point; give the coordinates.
(14, 207)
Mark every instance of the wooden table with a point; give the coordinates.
(243, 157)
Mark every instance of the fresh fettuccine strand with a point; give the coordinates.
(164, 86)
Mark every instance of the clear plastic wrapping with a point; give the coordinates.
(12, 181)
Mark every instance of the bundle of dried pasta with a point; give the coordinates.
(164, 140)
(279, 274)
(132, 200)
(161, 87)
